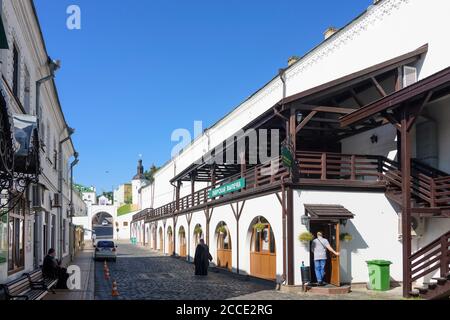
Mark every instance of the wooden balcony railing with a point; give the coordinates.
(429, 185)
(335, 166)
(434, 256)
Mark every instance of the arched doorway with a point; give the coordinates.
(224, 252)
(102, 224)
(169, 240)
(154, 237)
(161, 239)
(262, 250)
(198, 234)
(182, 242)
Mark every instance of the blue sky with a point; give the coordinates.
(139, 69)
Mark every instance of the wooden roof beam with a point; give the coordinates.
(379, 87)
(305, 121)
(338, 110)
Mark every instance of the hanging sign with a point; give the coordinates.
(227, 188)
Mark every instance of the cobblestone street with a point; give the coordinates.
(143, 274)
(147, 275)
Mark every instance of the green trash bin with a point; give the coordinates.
(379, 275)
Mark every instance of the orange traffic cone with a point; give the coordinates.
(115, 292)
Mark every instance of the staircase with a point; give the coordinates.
(435, 256)
(430, 194)
(430, 188)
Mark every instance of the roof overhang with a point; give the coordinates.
(327, 212)
(357, 77)
(436, 85)
(201, 170)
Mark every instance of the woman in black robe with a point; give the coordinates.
(201, 259)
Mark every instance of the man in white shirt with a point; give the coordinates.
(319, 247)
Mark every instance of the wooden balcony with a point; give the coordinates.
(430, 187)
(315, 169)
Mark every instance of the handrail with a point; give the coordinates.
(432, 257)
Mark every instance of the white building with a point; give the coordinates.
(25, 68)
(123, 194)
(137, 183)
(358, 107)
(90, 196)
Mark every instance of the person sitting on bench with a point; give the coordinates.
(51, 269)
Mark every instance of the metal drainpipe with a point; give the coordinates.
(60, 191)
(72, 165)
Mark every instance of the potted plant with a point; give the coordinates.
(198, 230)
(259, 226)
(221, 229)
(346, 237)
(305, 237)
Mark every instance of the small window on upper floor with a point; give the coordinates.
(409, 75)
(16, 72)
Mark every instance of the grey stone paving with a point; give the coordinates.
(143, 274)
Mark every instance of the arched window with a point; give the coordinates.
(223, 237)
(263, 239)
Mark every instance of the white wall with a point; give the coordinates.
(440, 113)
(374, 230)
(390, 29)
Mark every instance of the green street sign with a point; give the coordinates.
(286, 157)
(227, 188)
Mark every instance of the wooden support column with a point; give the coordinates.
(175, 220)
(208, 213)
(177, 196)
(406, 201)
(290, 235)
(213, 176)
(243, 164)
(293, 130)
(192, 188)
(189, 219)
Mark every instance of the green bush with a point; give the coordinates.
(305, 237)
(347, 237)
(125, 209)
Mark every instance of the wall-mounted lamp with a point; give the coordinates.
(305, 220)
(299, 117)
(374, 138)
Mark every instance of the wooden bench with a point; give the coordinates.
(38, 281)
(21, 289)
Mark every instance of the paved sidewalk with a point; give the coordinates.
(86, 263)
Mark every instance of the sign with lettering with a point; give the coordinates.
(227, 188)
(286, 157)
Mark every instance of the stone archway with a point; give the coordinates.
(262, 249)
(103, 225)
(224, 249)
